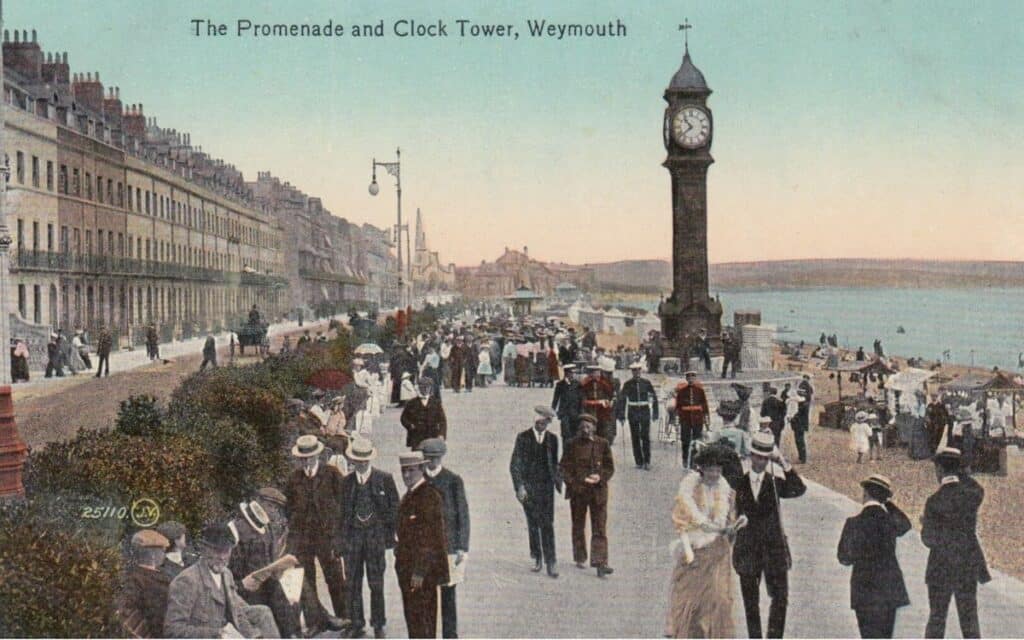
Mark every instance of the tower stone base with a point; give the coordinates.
(681, 324)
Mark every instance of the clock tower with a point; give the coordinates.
(688, 131)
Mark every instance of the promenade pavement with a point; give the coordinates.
(503, 598)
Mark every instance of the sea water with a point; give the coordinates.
(983, 326)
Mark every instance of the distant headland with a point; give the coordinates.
(654, 276)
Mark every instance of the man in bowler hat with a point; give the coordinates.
(868, 544)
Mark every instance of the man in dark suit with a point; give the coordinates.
(568, 402)
(638, 403)
(421, 550)
(761, 548)
(956, 563)
(800, 423)
(868, 543)
(424, 416)
(587, 466)
(775, 408)
(456, 526)
(313, 493)
(369, 504)
(535, 477)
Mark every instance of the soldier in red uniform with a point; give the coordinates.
(598, 401)
(692, 407)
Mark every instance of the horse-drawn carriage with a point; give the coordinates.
(254, 334)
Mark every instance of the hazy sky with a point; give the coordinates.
(854, 129)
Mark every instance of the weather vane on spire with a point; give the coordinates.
(685, 28)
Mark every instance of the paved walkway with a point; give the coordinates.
(503, 598)
(122, 361)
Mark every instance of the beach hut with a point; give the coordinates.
(839, 414)
(614, 321)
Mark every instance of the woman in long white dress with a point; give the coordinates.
(701, 595)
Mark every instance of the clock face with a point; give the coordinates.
(691, 127)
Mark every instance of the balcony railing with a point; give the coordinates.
(113, 265)
(327, 276)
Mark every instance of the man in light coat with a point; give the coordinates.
(203, 601)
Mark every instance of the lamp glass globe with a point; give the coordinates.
(374, 188)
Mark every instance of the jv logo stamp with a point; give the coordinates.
(145, 512)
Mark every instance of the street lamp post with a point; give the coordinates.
(394, 168)
(12, 448)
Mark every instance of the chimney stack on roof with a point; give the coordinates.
(23, 55)
(88, 91)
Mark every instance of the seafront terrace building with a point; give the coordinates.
(119, 221)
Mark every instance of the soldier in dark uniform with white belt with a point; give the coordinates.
(638, 403)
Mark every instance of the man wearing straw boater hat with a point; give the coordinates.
(368, 509)
(255, 550)
(313, 495)
(868, 544)
(761, 549)
(421, 550)
(956, 563)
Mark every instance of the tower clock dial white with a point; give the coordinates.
(691, 127)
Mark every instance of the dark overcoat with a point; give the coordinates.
(762, 545)
(313, 508)
(456, 509)
(949, 530)
(422, 422)
(422, 548)
(868, 543)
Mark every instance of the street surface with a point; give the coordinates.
(503, 598)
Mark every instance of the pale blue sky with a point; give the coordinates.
(842, 128)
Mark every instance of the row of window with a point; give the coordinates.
(154, 249)
(106, 191)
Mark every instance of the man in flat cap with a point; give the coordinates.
(144, 600)
(587, 466)
(535, 478)
(313, 494)
(599, 400)
(761, 549)
(456, 524)
(203, 601)
(255, 550)
(179, 555)
(868, 544)
(692, 408)
(421, 550)
(568, 402)
(956, 563)
(368, 509)
(423, 417)
(638, 402)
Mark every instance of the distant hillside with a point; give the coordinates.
(650, 276)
